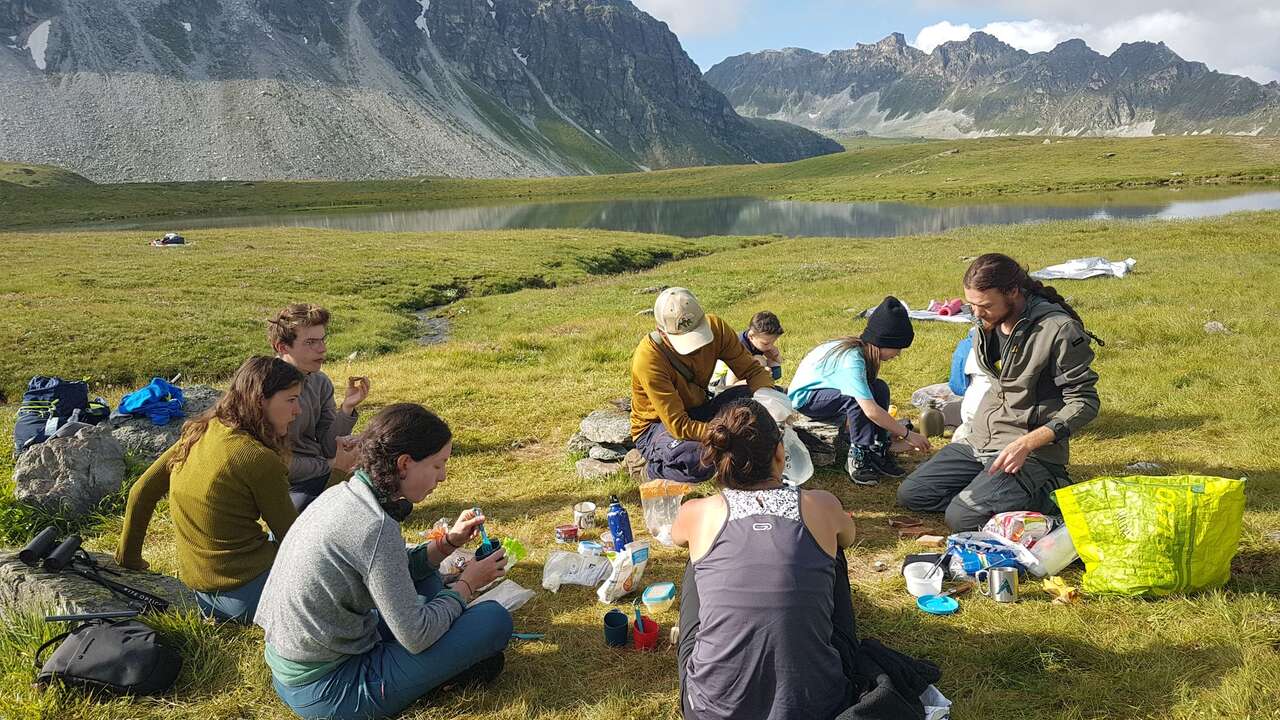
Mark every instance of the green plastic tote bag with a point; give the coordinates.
(1142, 535)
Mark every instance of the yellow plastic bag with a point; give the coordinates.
(1143, 535)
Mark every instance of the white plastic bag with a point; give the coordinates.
(509, 594)
(573, 569)
(628, 569)
(799, 467)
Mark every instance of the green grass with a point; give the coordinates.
(524, 366)
(200, 309)
(38, 176)
(932, 170)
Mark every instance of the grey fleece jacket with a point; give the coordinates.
(1044, 379)
(347, 558)
(315, 432)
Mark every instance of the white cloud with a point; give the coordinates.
(1237, 36)
(691, 18)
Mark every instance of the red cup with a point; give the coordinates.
(645, 636)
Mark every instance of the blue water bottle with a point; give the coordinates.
(619, 524)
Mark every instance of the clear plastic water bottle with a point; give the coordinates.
(619, 524)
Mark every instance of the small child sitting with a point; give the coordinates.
(761, 340)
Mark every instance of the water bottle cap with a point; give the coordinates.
(613, 500)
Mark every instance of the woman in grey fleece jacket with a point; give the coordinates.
(355, 626)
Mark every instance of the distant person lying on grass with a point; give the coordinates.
(356, 627)
(670, 372)
(841, 379)
(320, 450)
(1035, 349)
(227, 471)
(760, 339)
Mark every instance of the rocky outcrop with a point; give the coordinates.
(71, 474)
(981, 86)
(26, 588)
(134, 90)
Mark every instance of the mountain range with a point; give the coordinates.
(151, 90)
(982, 86)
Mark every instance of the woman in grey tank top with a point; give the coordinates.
(758, 614)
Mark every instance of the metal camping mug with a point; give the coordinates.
(999, 584)
(584, 514)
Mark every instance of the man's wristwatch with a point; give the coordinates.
(904, 435)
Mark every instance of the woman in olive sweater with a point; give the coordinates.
(229, 468)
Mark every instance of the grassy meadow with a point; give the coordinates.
(872, 169)
(542, 327)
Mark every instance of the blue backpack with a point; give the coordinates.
(48, 404)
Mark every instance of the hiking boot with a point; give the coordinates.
(859, 467)
(883, 462)
(637, 467)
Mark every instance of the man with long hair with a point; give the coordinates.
(1033, 346)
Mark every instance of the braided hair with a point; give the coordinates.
(996, 271)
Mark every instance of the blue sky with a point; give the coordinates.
(1237, 36)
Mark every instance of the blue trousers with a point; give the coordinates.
(387, 679)
(238, 605)
(827, 403)
(681, 460)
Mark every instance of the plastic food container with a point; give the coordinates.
(1053, 552)
(658, 596)
(923, 579)
(660, 501)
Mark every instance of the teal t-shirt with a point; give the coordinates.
(846, 374)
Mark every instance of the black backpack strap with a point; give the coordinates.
(56, 638)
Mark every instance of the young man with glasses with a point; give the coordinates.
(320, 434)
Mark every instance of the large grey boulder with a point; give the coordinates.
(73, 473)
(23, 587)
(145, 440)
(611, 426)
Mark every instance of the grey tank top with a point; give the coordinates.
(765, 592)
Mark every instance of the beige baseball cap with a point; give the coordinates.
(681, 318)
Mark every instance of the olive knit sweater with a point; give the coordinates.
(228, 481)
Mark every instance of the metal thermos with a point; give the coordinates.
(619, 524)
(999, 584)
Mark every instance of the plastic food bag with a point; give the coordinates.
(628, 569)
(573, 569)
(1142, 535)
(799, 467)
(509, 594)
(660, 501)
(1024, 528)
(974, 551)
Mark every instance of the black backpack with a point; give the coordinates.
(123, 657)
(52, 398)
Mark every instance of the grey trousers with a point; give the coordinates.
(957, 481)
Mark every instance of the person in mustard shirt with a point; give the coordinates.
(229, 469)
(670, 371)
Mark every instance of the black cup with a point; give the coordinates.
(615, 628)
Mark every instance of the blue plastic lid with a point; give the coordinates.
(659, 592)
(937, 604)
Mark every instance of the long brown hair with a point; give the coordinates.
(240, 408)
(870, 354)
(740, 443)
(997, 271)
(400, 429)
